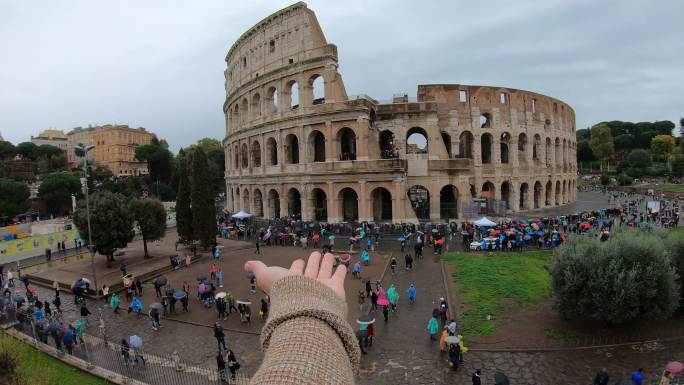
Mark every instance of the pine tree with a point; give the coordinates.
(183, 210)
(202, 196)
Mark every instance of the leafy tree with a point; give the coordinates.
(15, 197)
(681, 127)
(601, 142)
(605, 179)
(630, 276)
(56, 190)
(183, 210)
(216, 158)
(677, 166)
(27, 150)
(165, 192)
(47, 151)
(639, 159)
(7, 150)
(625, 180)
(111, 220)
(202, 197)
(663, 146)
(674, 243)
(150, 217)
(159, 160)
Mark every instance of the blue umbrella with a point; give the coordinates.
(402, 238)
(135, 341)
(179, 294)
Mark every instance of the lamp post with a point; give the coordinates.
(82, 152)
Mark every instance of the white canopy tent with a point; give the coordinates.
(484, 222)
(241, 215)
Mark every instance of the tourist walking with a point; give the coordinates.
(85, 314)
(212, 271)
(433, 326)
(476, 377)
(220, 336)
(231, 303)
(154, 319)
(393, 265)
(408, 261)
(385, 312)
(68, 340)
(602, 377)
(369, 288)
(257, 250)
(139, 287)
(125, 352)
(58, 303)
(233, 365)
(638, 377)
(411, 293)
(374, 301)
(221, 308)
(219, 277)
(361, 299)
(393, 296)
(221, 365)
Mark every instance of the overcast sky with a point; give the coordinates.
(159, 64)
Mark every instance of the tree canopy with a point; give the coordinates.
(183, 210)
(27, 150)
(202, 198)
(150, 217)
(14, 200)
(56, 190)
(159, 161)
(7, 150)
(601, 142)
(663, 146)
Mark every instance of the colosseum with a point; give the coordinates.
(297, 145)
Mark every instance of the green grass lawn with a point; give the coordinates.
(38, 368)
(663, 187)
(487, 283)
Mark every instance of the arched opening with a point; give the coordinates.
(245, 155)
(473, 191)
(372, 118)
(486, 120)
(465, 145)
(274, 203)
(258, 207)
(317, 146)
(347, 139)
(536, 147)
(272, 100)
(382, 204)
(237, 201)
(506, 194)
(486, 148)
(317, 85)
(292, 149)
(256, 105)
(419, 197)
(537, 194)
(387, 147)
(558, 192)
(256, 154)
(504, 141)
(524, 191)
(245, 201)
(549, 193)
(446, 138)
(557, 150)
(565, 156)
(236, 116)
(294, 203)
(272, 152)
(416, 141)
(236, 157)
(448, 202)
(349, 202)
(549, 153)
(564, 197)
(294, 95)
(487, 190)
(320, 201)
(244, 108)
(522, 147)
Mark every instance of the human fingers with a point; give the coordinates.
(312, 265)
(326, 266)
(255, 267)
(340, 274)
(297, 267)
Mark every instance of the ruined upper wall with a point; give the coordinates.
(288, 36)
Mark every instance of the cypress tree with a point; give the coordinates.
(202, 196)
(183, 210)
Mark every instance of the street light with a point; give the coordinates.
(82, 152)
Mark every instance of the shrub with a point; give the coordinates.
(630, 276)
(675, 246)
(605, 179)
(625, 180)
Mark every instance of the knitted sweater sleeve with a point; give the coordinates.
(307, 339)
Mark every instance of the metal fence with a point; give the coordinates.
(146, 367)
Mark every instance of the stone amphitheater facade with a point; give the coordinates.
(297, 145)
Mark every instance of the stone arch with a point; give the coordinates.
(446, 138)
(524, 192)
(465, 145)
(549, 193)
(291, 149)
(558, 193)
(320, 204)
(347, 139)
(506, 194)
(256, 154)
(388, 148)
(294, 203)
(274, 203)
(317, 146)
(382, 204)
(557, 151)
(317, 87)
(293, 94)
(271, 100)
(536, 147)
(473, 191)
(549, 153)
(271, 152)
(486, 148)
(522, 147)
(236, 116)
(448, 202)
(537, 200)
(564, 195)
(244, 106)
(488, 190)
(258, 203)
(236, 157)
(256, 105)
(504, 144)
(565, 156)
(349, 204)
(245, 201)
(419, 197)
(486, 120)
(244, 151)
(416, 141)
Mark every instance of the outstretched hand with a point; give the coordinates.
(322, 271)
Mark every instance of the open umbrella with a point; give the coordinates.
(331, 237)
(500, 378)
(383, 301)
(674, 367)
(344, 257)
(365, 320)
(135, 341)
(157, 306)
(161, 281)
(221, 294)
(201, 288)
(244, 302)
(180, 294)
(401, 239)
(451, 340)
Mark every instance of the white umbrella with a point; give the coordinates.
(241, 215)
(221, 294)
(484, 222)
